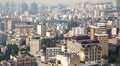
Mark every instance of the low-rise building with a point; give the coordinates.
(51, 52)
(24, 29)
(67, 59)
(23, 59)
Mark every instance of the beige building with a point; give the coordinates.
(35, 46)
(17, 41)
(114, 32)
(51, 52)
(9, 25)
(22, 60)
(110, 23)
(24, 29)
(96, 30)
(113, 41)
(67, 59)
(103, 39)
(87, 49)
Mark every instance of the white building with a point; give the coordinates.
(79, 31)
(76, 32)
(48, 34)
(41, 29)
(114, 31)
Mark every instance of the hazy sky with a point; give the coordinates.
(55, 1)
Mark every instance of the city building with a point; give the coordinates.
(51, 52)
(24, 29)
(41, 29)
(67, 59)
(23, 59)
(3, 38)
(118, 5)
(24, 7)
(103, 43)
(96, 30)
(34, 9)
(7, 24)
(8, 8)
(12, 41)
(3, 26)
(76, 31)
(114, 32)
(35, 47)
(87, 49)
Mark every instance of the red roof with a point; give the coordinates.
(80, 37)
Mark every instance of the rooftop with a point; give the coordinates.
(91, 41)
(82, 37)
(69, 55)
(101, 34)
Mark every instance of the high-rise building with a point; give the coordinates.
(34, 8)
(3, 39)
(9, 25)
(0, 8)
(118, 4)
(35, 47)
(3, 26)
(92, 32)
(24, 7)
(6, 8)
(96, 30)
(103, 43)
(41, 29)
(9, 8)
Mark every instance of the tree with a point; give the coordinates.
(11, 50)
(112, 59)
(0, 50)
(118, 60)
(25, 49)
(105, 57)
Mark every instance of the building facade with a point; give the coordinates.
(51, 52)
(41, 29)
(35, 47)
(103, 39)
(22, 60)
(87, 49)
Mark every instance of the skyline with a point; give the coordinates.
(59, 32)
(54, 2)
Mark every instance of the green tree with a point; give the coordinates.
(25, 49)
(112, 59)
(105, 57)
(11, 50)
(118, 61)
